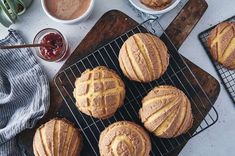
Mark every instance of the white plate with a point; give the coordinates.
(137, 4)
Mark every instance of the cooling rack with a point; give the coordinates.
(178, 74)
(227, 76)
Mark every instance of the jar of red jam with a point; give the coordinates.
(55, 45)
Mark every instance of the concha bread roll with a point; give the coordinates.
(124, 138)
(166, 111)
(221, 42)
(143, 57)
(99, 92)
(57, 137)
(156, 4)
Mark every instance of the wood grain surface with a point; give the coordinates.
(111, 25)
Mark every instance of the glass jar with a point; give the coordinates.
(57, 45)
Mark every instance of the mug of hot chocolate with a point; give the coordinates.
(68, 11)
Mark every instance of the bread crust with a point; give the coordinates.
(166, 111)
(57, 137)
(156, 4)
(143, 57)
(99, 92)
(124, 138)
(221, 43)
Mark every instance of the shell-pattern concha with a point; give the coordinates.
(99, 92)
(143, 57)
(166, 111)
(221, 43)
(124, 138)
(157, 4)
(57, 137)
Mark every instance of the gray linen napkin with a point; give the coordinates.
(24, 93)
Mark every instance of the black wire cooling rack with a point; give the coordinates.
(227, 76)
(177, 74)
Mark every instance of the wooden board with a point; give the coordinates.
(114, 23)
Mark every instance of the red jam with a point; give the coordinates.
(55, 50)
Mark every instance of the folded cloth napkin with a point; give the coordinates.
(24, 93)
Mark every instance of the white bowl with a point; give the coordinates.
(79, 19)
(137, 4)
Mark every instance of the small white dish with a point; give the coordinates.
(79, 19)
(138, 5)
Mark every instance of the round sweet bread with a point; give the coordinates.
(143, 57)
(124, 138)
(57, 137)
(156, 4)
(99, 92)
(166, 111)
(221, 43)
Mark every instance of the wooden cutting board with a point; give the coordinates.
(114, 23)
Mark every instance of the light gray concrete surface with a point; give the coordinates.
(219, 140)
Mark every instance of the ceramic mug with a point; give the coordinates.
(10, 9)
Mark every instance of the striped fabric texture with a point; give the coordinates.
(24, 93)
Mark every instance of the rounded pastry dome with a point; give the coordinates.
(143, 57)
(156, 4)
(57, 137)
(221, 43)
(166, 112)
(99, 92)
(124, 138)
